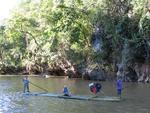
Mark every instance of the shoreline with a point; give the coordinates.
(49, 76)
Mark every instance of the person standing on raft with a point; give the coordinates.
(26, 84)
(119, 86)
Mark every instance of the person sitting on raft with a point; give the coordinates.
(26, 84)
(66, 91)
(95, 87)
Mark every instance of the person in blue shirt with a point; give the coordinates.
(26, 84)
(66, 91)
(119, 86)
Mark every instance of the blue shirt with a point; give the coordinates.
(25, 81)
(66, 91)
(119, 84)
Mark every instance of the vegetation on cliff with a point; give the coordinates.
(69, 36)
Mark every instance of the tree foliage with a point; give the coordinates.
(49, 31)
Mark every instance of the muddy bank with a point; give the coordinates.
(71, 72)
(136, 73)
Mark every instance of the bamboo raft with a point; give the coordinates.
(76, 97)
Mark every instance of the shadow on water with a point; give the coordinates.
(12, 101)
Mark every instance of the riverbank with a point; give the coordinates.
(48, 76)
(18, 75)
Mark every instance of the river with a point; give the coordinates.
(136, 97)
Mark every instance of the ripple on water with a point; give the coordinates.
(11, 103)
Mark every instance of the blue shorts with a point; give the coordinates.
(119, 91)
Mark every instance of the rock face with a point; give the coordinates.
(95, 73)
(127, 74)
(143, 72)
(120, 72)
(131, 75)
(139, 72)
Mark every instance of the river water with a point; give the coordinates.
(136, 97)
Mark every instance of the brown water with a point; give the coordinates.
(136, 97)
